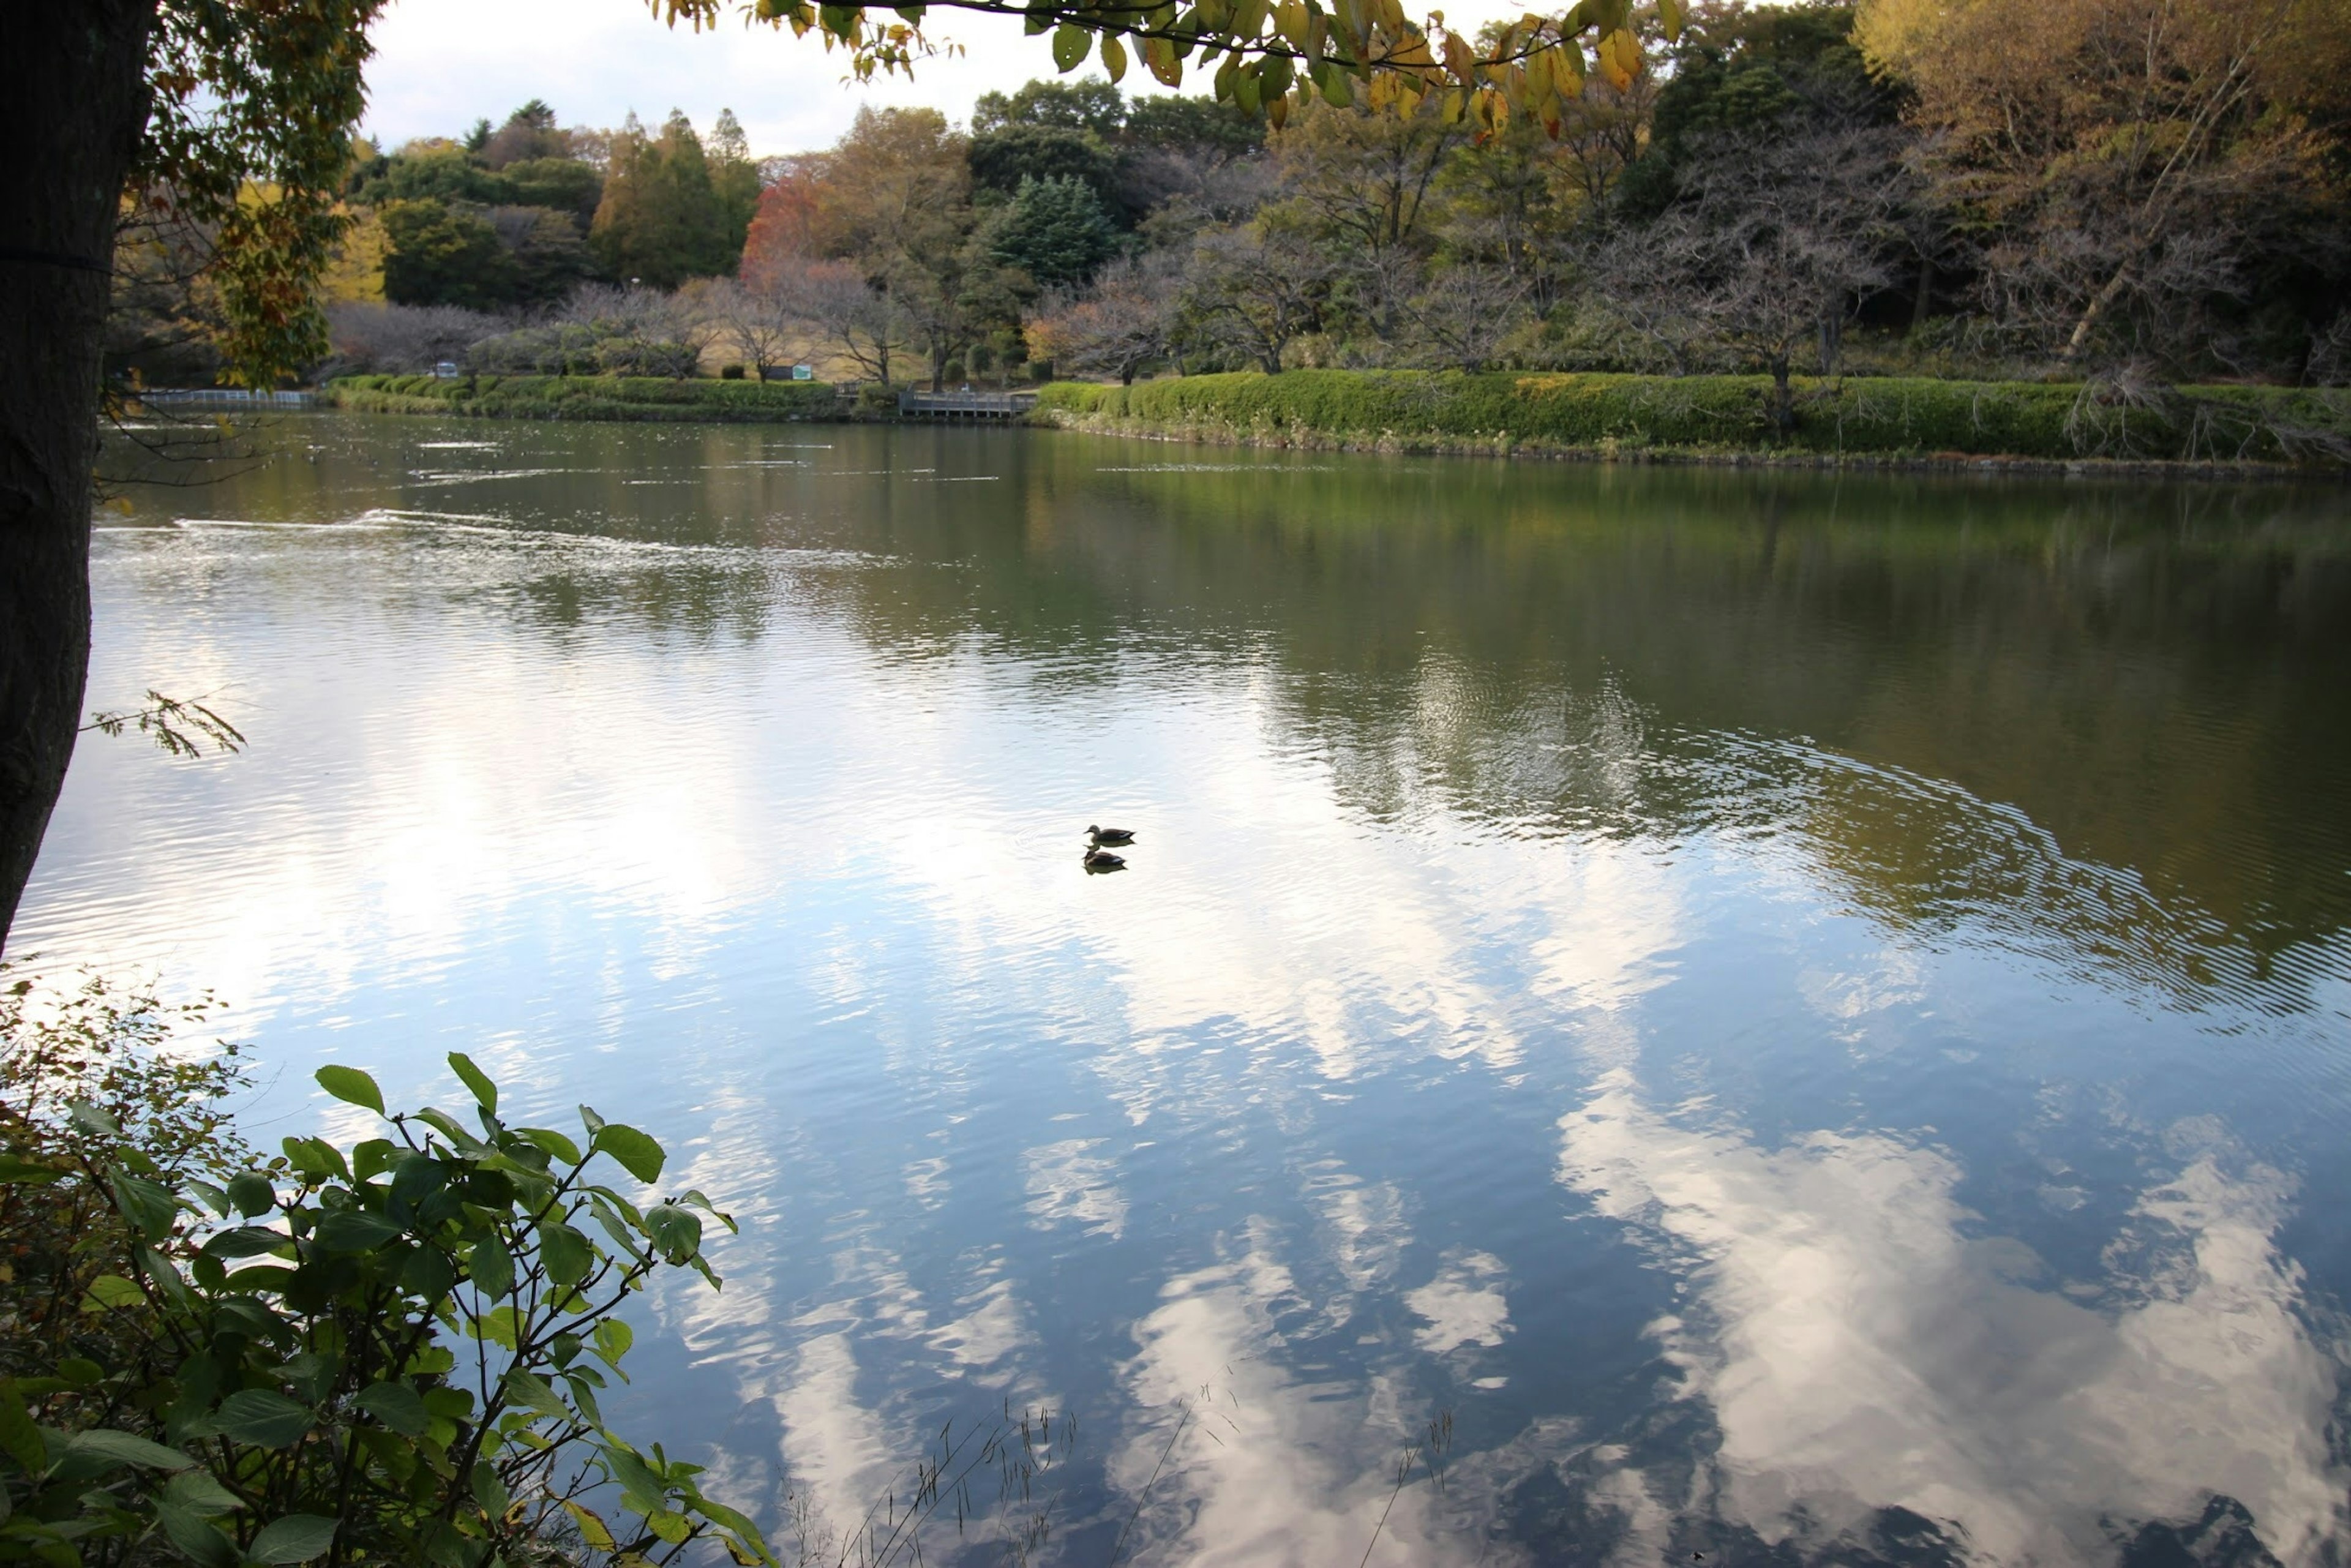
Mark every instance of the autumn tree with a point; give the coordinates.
(2122, 163)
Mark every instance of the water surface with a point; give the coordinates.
(1810, 1016)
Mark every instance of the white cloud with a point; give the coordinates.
(1863, 1348)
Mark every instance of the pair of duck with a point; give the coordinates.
(1098, 857)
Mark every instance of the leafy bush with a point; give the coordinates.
(1455, 410)
(391, 1353)
(589, 397)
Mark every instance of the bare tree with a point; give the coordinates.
(1251, 291)
(1127, 319)
(376, 337)
(1770, 249)
(758, 324)
(842, 312)
(1465, 313)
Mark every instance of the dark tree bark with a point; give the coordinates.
(73, 103)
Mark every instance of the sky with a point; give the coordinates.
(441, 64)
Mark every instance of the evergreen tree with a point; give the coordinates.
(735, 181)
(661, 220)
(1057, 231)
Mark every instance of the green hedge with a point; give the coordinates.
(586, 397)
(1451, 410)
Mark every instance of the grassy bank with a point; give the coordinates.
(1867, 419)
(587, 397)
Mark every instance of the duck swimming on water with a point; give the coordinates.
(1110, 835)
(1103, 859)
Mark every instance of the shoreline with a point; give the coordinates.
(1854, 424)
(1989, 464)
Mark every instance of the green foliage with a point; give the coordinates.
(1885, 416)
(1056, 231)
(1002, 159)
(562, 185)
(619, 398)
(435, 255)
(1088, 104)
(662, 219)
(392, 1351)
(1182, 124)
(247, 138)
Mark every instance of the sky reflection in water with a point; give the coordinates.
(1808, 1014)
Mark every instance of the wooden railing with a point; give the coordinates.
(965, 405)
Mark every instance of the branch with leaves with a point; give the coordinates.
(181, 729)
(1265, 56)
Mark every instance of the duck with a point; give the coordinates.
(1110, 835)
(1103, 859)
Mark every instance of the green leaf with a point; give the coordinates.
(552, 1143)
(589, 1120)
(79, 1370)
(201, 1542)
(19, 1439)
(532, 1391)
(614, 1339)
(566, 1253)
(262, 1417)
(102, 1445)
(150, 1208)
(488, 1491)
(297, 1538)
(92, 1119)
(351, 1085)
(675, 1231)
(1071, 44)
(112, 1290)
(639, 1155)
(247, 1241)
(195, 1490)
(15, 1168)
(252, 1193)
(396, 1404)
(1113, 58)
(491, 1268)
(355, 1230)
(485, 1094)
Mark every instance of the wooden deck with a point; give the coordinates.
(965, 405)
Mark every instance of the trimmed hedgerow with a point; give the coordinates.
(587, 397)
(1452, 411)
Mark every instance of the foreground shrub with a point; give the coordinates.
(391, 1353)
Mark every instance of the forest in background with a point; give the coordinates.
(2141, 189)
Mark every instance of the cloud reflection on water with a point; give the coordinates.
(1863, 1347)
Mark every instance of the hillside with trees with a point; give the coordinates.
(2148, 192)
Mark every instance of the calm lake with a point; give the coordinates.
(1808, 1018)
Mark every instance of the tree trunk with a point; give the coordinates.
(1926, 299)
(73, 102)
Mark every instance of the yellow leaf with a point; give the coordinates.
(1113, 58)
(1669, 15)
(592, 1529)
(1290, 20)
